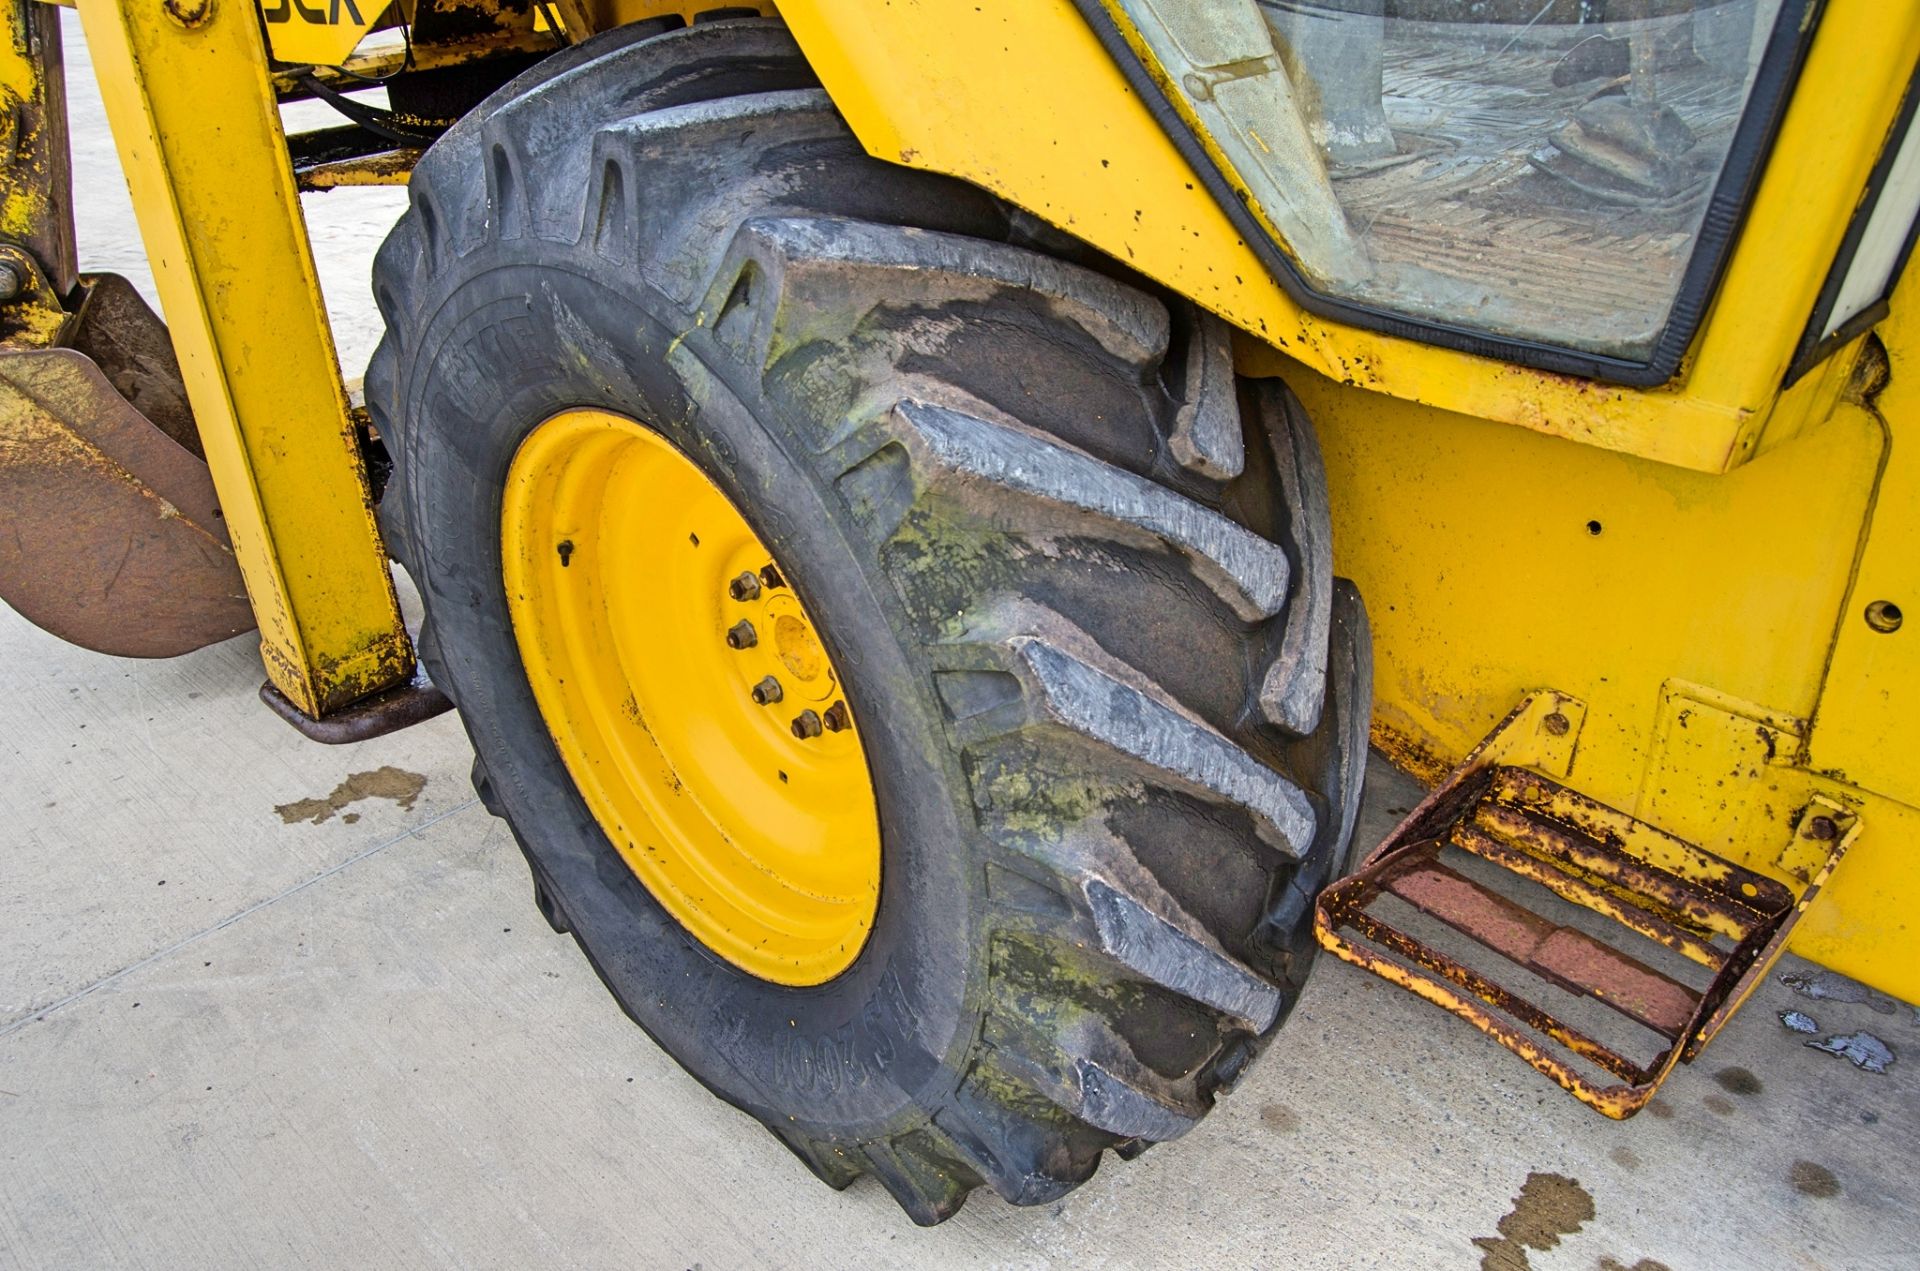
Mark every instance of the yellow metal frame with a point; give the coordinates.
(35, 189)
(198, 130)
(689, 696)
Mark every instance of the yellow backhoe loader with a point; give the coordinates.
(892, 487)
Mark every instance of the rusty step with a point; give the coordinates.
(1499, 828)
(1572, 959)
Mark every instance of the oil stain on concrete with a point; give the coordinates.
(1813, 1180)
(388, 782)
(1548, 1207)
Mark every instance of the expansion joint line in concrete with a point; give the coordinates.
(39, 1013)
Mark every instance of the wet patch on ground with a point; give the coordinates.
(388, 782)
(1813, 1180)
(1548, 1207)
(1737, 1080)
(1829, 986)
(1645, 1264)
(1863, 1050)
(1799, 1022)
(1279, 1118)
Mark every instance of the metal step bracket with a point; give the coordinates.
(1631, 934)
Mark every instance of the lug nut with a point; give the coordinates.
(837, 719)
(767, 692)
(741, 635)
(806, 725)
(771, 576)
(745, 587)
(12, 282)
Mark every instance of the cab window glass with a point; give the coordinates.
(1536, 171)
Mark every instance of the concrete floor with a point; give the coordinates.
(249, 1019)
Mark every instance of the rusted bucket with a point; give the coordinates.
(110, 531)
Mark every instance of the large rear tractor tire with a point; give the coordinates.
(687, 394)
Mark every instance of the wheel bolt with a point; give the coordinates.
(837, 719)
(745, 587)
(741, 635)
(767, 691)
(771, 576)
(806, 724)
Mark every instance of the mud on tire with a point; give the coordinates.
(1079, 570)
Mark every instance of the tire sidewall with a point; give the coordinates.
(506, 349)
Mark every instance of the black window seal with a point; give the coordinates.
(1727, 208)
(1816, 346)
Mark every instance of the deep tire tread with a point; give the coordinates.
(863, 304)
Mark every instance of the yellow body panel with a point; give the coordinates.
(1695, 624)
(1868, 727)
(690, 698)
(1073, 143)
(320, 32)
(199, 137)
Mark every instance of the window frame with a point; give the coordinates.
(1778, 74)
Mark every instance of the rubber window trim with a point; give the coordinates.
(1780, 66)
(1814, 347)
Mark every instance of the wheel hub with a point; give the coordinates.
(691, 697)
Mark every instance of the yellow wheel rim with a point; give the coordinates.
(691, 697)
